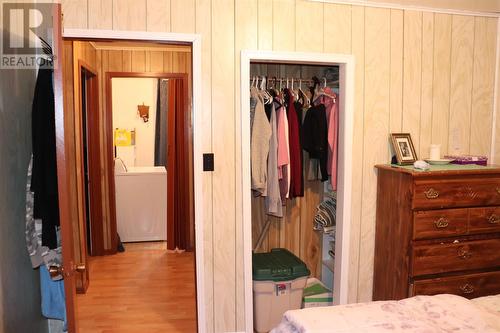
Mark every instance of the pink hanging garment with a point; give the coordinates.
(283, 151)
(332, 117)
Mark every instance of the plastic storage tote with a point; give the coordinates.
(279, 278)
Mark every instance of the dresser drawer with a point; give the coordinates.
(485, 219)
(456, 193)
(439, 223)
(470, 285)
(450, 257)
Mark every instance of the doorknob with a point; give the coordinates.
(56, 271)
(80, 268)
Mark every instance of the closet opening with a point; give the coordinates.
(299, 101)
(128, 114)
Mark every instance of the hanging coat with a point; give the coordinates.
(315, 137)
(259, 142)
(273, 198)
(44, 178)
(295, 148)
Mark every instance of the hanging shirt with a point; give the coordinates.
(52, 296)
(295, 148)
(332, 124)
(299, 110)
(253, 104)
(44, 178)
(273, 198)
(283, 149)
(315, 137)
(286, 169)
(259, 143)
(267, 108)
(40, 255)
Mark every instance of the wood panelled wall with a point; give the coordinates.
(441, 92)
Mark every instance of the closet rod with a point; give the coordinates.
(283, 79)
(295, 80)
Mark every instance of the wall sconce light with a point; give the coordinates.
(143, 111)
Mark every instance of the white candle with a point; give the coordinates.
(435, 152)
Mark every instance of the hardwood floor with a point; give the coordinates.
(144, 289)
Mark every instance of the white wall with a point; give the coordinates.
(127, 94)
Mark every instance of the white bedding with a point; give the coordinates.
(420, 314)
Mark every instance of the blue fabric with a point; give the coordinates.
(53, 298)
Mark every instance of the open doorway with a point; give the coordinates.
(150, 124)
(157, 285)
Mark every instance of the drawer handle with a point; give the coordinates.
(467, 289)
(431, 193)
(498, 190)
(442, 222)
(494, 219)
(464, 253)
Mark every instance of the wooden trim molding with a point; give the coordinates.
(496, 104)
(94, 160)
(391, 5)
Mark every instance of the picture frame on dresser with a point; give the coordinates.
(403, 147)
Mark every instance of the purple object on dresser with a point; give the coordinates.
(468, 159)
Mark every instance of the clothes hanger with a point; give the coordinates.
(302, 95)
(320, 91)
(268, 99)
(271, 86)
(333, 96)
(295, 92)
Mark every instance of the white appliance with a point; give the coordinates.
(141, 203)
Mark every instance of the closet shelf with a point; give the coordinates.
(329, 263)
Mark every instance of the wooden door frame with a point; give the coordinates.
(94, 160)
(202, 180)
(344, 195)
(108, 119)
(63, 174)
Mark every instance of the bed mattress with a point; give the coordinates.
(419, 314)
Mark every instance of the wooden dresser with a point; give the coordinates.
(437, 232)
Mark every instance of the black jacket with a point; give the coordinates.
(315, 137)
(44, 178)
